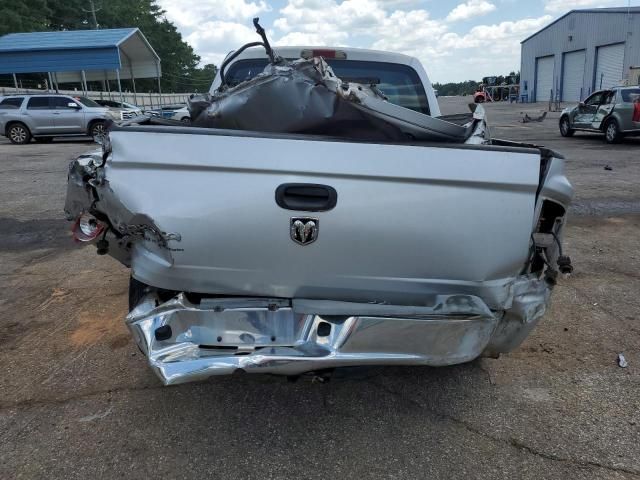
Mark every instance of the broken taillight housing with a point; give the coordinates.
(87, 228)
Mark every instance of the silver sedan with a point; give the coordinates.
(614, 112)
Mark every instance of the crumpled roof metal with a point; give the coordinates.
(305, 96)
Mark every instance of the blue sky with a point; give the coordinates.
(455, 39)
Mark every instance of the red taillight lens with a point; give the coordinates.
(324, 53)
(87, 228)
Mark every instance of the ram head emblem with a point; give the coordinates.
(304, 230)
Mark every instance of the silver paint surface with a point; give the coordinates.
(222, 336)
(222, 339)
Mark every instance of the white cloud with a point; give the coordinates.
(484, 50)
(194, 14)
(448, 55)
(213, 40)
(331, 38)
(215, 27)
(411, 32)
(562, 6)
(327, 22)
(504, 36)
(323, 16)
(470, 9)
(450, 51)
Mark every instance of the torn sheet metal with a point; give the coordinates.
(185, 341)
(305, 96)
(371, 101)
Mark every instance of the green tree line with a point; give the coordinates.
(455, 89)
(179, 63)
(470, 86)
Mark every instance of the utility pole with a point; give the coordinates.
(93, 11)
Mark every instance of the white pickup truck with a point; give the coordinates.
(291, 253)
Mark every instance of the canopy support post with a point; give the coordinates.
(106, 81)
(133, 80)
(85, 88)
(15, 82)
(158, 78)
(135, 94)
(50, 82)
(119, 85)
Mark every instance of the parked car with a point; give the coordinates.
(43, 117)
(284, 253)
(166, 111)
(123, 109)
(182, 115)
(614, 112)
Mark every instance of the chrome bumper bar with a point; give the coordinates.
(186, 342)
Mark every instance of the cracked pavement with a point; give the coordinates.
(77, 399)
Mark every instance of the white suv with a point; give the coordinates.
(44, 117)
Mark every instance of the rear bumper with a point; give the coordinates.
(186, 342)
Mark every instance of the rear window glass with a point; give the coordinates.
(631, 95)
(400, 83)
(13, 102)
(38, 103)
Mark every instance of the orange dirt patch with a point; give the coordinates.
(120, 341)
(100, 327)
(57, 296)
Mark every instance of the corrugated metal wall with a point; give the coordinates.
(573, 75)
(577, 31)
(60, 60)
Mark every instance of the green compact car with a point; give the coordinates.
(614, 112)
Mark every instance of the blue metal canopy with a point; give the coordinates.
(120, 49)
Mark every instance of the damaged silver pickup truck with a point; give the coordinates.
(318, 213)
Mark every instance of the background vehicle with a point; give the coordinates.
(182, 115)
(123, 109)
(614, 112)
(166, 111)
(44, 117)
(287, 253)
(494, 89)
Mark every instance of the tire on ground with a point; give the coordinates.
(97, 129)
(565, 127)
(18, 133)
(612, 132)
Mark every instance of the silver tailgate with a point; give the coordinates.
(410, 221)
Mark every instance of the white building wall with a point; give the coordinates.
(580, 30)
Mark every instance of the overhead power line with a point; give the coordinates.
(93, 11)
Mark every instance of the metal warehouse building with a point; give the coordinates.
(581, 52)
(80, 56)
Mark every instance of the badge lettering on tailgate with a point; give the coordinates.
(304, 230)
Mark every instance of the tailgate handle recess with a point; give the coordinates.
(308, 197)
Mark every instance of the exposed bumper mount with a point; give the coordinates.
(186, 341)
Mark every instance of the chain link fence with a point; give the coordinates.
(143, 100)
